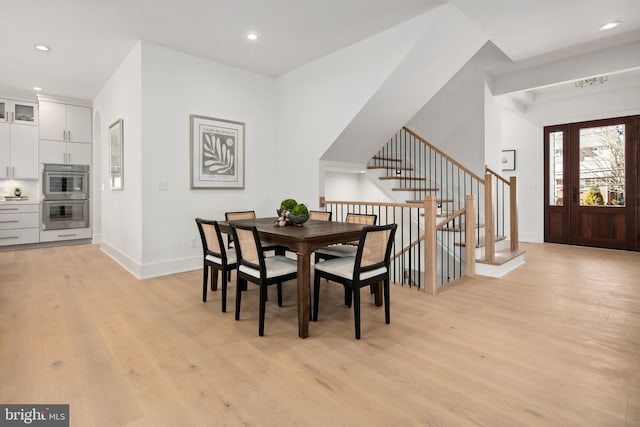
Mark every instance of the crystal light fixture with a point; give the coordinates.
(591, 81)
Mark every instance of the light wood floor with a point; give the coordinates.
(555, 343)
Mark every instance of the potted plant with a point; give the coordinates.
(17, 192)
(299, 214)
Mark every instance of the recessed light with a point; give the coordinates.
(610, 25)
(42, 48)
(37, 89)
(252, 36)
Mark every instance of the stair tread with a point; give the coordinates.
(402, 168)
(388, 159)
(421, 202)
(462, 227)
(481, 241)
(404, 178)
(414, 189)
(502, 257)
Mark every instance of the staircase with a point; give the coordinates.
(409, 169)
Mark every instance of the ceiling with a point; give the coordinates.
(89, 38)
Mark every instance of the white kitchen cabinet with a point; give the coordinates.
(18, 112)
(66, 234)
(65, 152)
(65, 133)
(63, 122)
(18, 151)
(19, 223)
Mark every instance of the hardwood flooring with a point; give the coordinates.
(554, 343)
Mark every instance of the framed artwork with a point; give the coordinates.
(217, 153)
(116, 155)
(508, 160)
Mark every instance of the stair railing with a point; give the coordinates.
(502, 201)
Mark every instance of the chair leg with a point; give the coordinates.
(214, 279)
(356, 310)
(224, 291)
(205, 279)
(263, 300)
(316, 296)
(279, 285)
(239, 284)
(347, 297)
(387, 312)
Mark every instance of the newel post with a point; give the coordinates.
(430, 244)
(513, 205)
(470, 236)
(489, 240)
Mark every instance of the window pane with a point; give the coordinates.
(556, 178)
(602, 160)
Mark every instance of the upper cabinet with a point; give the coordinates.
(18, 112)
(63, 122)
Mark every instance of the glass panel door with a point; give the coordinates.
(556, 168)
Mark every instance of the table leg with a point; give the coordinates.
(377, 293)
(304, 292)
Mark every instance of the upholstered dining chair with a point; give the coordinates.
(320, 215)
(255, 267)
(348, 249)
(369, 266)
(216, 257)
(244, 215)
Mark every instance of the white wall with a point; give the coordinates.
(175, 85)
(523, 131)
(121, 211)
(352, 187)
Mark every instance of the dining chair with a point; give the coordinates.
(320, 215)
(345, 249)
(369, 266)
(248, 215)
(255, 267)
(216, 257)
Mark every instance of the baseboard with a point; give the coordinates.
(498, 271)
(530, 237)
(153, 269)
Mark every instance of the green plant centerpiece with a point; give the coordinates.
(292, 213)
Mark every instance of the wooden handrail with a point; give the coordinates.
(496, 174)
(443, 154)
(398, 205)
(408, 247)
(450, 218)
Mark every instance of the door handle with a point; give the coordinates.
(574, 194)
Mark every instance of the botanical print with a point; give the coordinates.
(217, 153)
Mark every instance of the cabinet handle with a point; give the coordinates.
(13, 171)
(8, 237)
(8, 209)
(69, 135)
(13, 116)
(67, 235)
(7, 221)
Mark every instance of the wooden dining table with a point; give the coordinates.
(302, 240)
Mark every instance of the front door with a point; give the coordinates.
(591, 183)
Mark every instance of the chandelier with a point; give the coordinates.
(591, 81)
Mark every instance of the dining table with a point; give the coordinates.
(302, 240)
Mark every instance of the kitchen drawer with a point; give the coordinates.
(19, 237)
(10, 221)
(10, 208)
(67, 234)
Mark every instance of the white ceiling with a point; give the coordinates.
(89, 38)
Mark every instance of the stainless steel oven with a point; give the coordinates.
(60, 214)
(62, 182)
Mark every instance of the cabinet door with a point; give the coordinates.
(79, 153)
(53, 118)
(4, 110)
(25, 113)
(24, 151)
(53, 151)
(78, 124)
(5, 150)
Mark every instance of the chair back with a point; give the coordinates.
(374, 248)
(211, 238)
(240, 215)
(320, 215)
(248, 247)
(367, 219)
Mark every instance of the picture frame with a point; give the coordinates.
(116, 155)
(508, 160)
(217, 153)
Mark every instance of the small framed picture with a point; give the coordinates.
(116, 155)
(508, 160)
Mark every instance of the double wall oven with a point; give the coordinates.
(66, 196)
